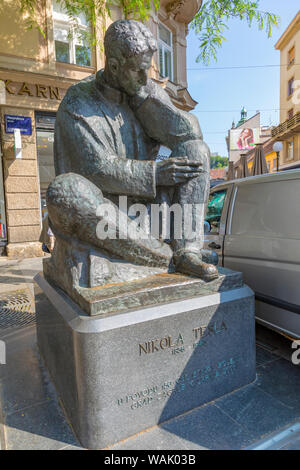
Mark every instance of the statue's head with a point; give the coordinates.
(129, 47)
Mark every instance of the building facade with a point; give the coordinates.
(288, 132)
(242, 138)
(35, 73)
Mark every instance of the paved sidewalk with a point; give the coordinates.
(31, 417)
(16, 274)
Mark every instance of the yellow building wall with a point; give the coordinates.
(270, 160)
(15, 40)
(250, 167)
(272, 164)
(287, 73)
(290, 39)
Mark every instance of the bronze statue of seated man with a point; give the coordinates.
(108, 130)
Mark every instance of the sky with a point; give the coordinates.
(221, 94)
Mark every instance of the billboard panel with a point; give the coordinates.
(244, 139)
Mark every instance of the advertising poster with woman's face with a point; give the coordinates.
(244, 139)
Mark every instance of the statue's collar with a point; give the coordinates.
(111, 94)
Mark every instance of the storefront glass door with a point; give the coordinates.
(3, 231)
(45, 123)
(45, 139)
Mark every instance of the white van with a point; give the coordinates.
(255, 229)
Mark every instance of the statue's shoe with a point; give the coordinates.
(192, 264)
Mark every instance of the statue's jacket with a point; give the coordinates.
(112, 141)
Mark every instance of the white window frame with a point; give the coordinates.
(61, 20)
(165, 46)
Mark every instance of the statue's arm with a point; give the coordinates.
(163, 121)
(79, 148)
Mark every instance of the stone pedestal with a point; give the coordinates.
(118, 374)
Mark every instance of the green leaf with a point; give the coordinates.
(210, 23)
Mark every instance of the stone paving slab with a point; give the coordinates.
(39, 427)
(18, 273)
(210, 428)
(281, 380)
(258, 412)
(295, 445)
(31, 413)
(287, 438)
(157, 438)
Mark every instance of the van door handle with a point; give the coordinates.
(214, 246)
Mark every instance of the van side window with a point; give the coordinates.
(260, 210)
(214, 210)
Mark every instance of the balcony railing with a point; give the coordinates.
(286, 126)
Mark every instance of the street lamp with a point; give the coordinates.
(277, 147)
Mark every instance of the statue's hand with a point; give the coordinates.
(138, 99)
(176, 170)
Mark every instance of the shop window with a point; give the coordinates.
(3, 230)
(69, 38)
(291, 57)
(165, 47)
(274, 164)
(45, 139)
(291, 87)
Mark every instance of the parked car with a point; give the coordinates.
(214, 183)
(254, 226)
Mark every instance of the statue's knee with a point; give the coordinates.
(195, 150)
(187, 128)
(70, 199)
(194, 132)
(70, 188)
